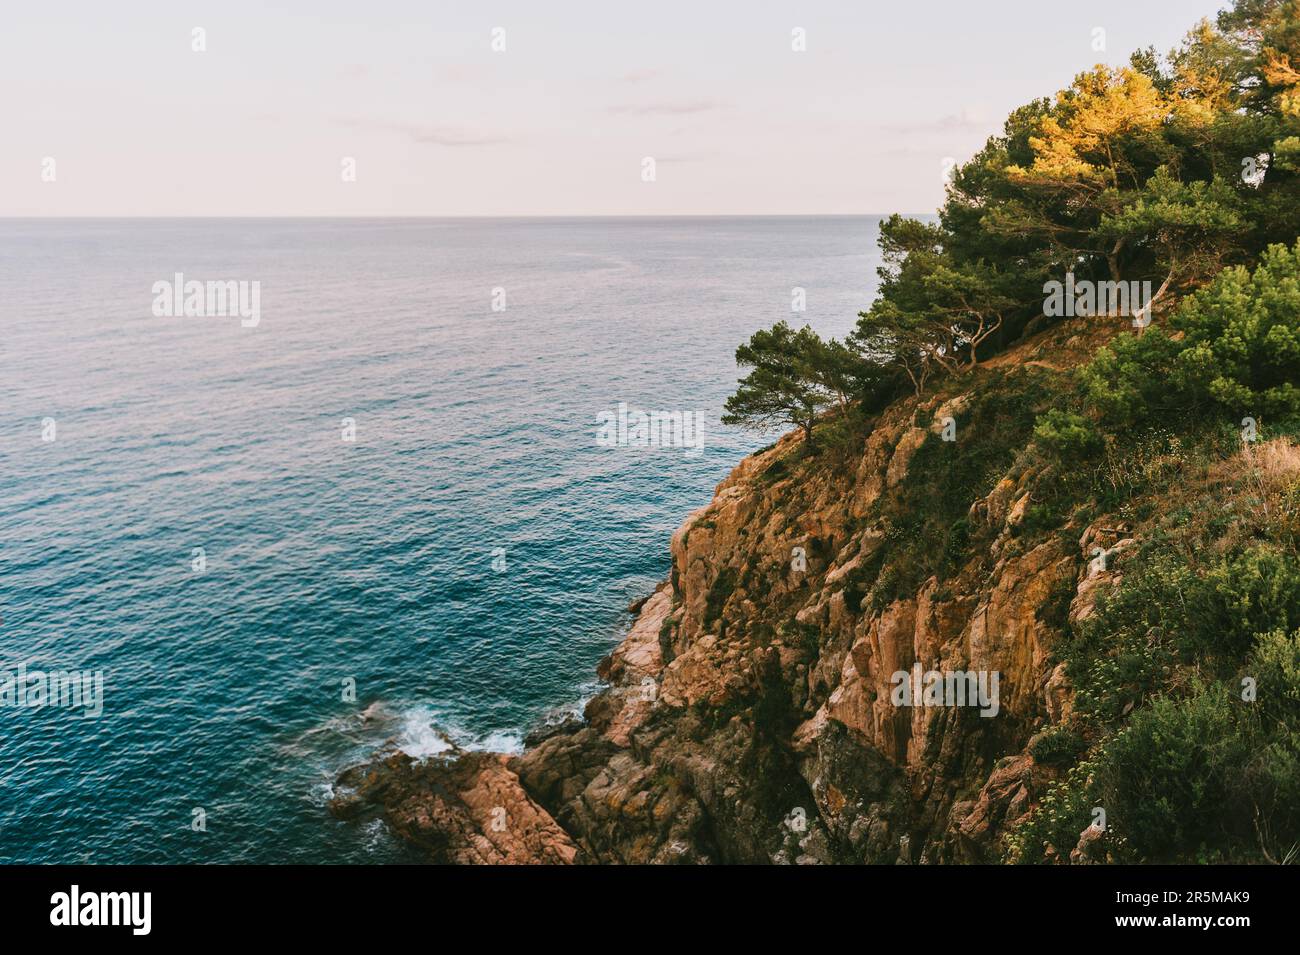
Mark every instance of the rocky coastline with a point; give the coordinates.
(746, 716)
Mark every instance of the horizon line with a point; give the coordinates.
(684, 215)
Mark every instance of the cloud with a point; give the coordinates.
(428, 135)
(467, 74)
(968, 120)
(684, 157)
(640, 76)
(675, 108)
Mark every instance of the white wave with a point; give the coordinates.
(425, 732)
(420, 737)
(500, 741)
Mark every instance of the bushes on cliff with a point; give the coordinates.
(1215, 775)
(1162, 779)
(1068, 435)
(1157, 410)
(1131, 380)
(1053, 828)
(1208, 774)
(1057, 746)
(1242, 337)
(1196, 754)
(1270, 778)
(1234, 349)
(1171, 612)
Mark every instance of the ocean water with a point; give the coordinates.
(370, 560)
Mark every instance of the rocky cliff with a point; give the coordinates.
(748, 714)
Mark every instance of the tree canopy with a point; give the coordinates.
(1164, 172)
(791, 380)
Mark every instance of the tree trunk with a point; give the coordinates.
(1112, 259)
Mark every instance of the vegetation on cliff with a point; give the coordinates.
(1174, 440)
(1161, 172)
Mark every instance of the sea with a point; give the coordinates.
(378, 512)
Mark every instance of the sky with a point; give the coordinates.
(480, 108)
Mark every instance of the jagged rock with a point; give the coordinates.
(467, 809)
(1002, 803)
(1058, 695)
(1016, 516)
(561, 727)
(912, 440)
(1089, 846)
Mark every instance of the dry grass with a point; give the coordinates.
(1266, 476)
(1273, 466)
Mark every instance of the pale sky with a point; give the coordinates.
(139, 124)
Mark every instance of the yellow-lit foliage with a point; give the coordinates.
(1201, 90)
(1083, 141)
(1279, 70)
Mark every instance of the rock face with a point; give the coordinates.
(469, 809)
(749, 715)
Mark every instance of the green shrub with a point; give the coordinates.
(1057, 821)
(1163, 779)
(1214, 774)
(1128, 381)
(1201, 770)
(1242, 336)
(1068, 435)
(1267, 787)
(1057, 746)
(1169, 612)
(1235, 347)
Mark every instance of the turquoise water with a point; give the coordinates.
(329, 560)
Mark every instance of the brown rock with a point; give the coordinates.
(466, 809)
